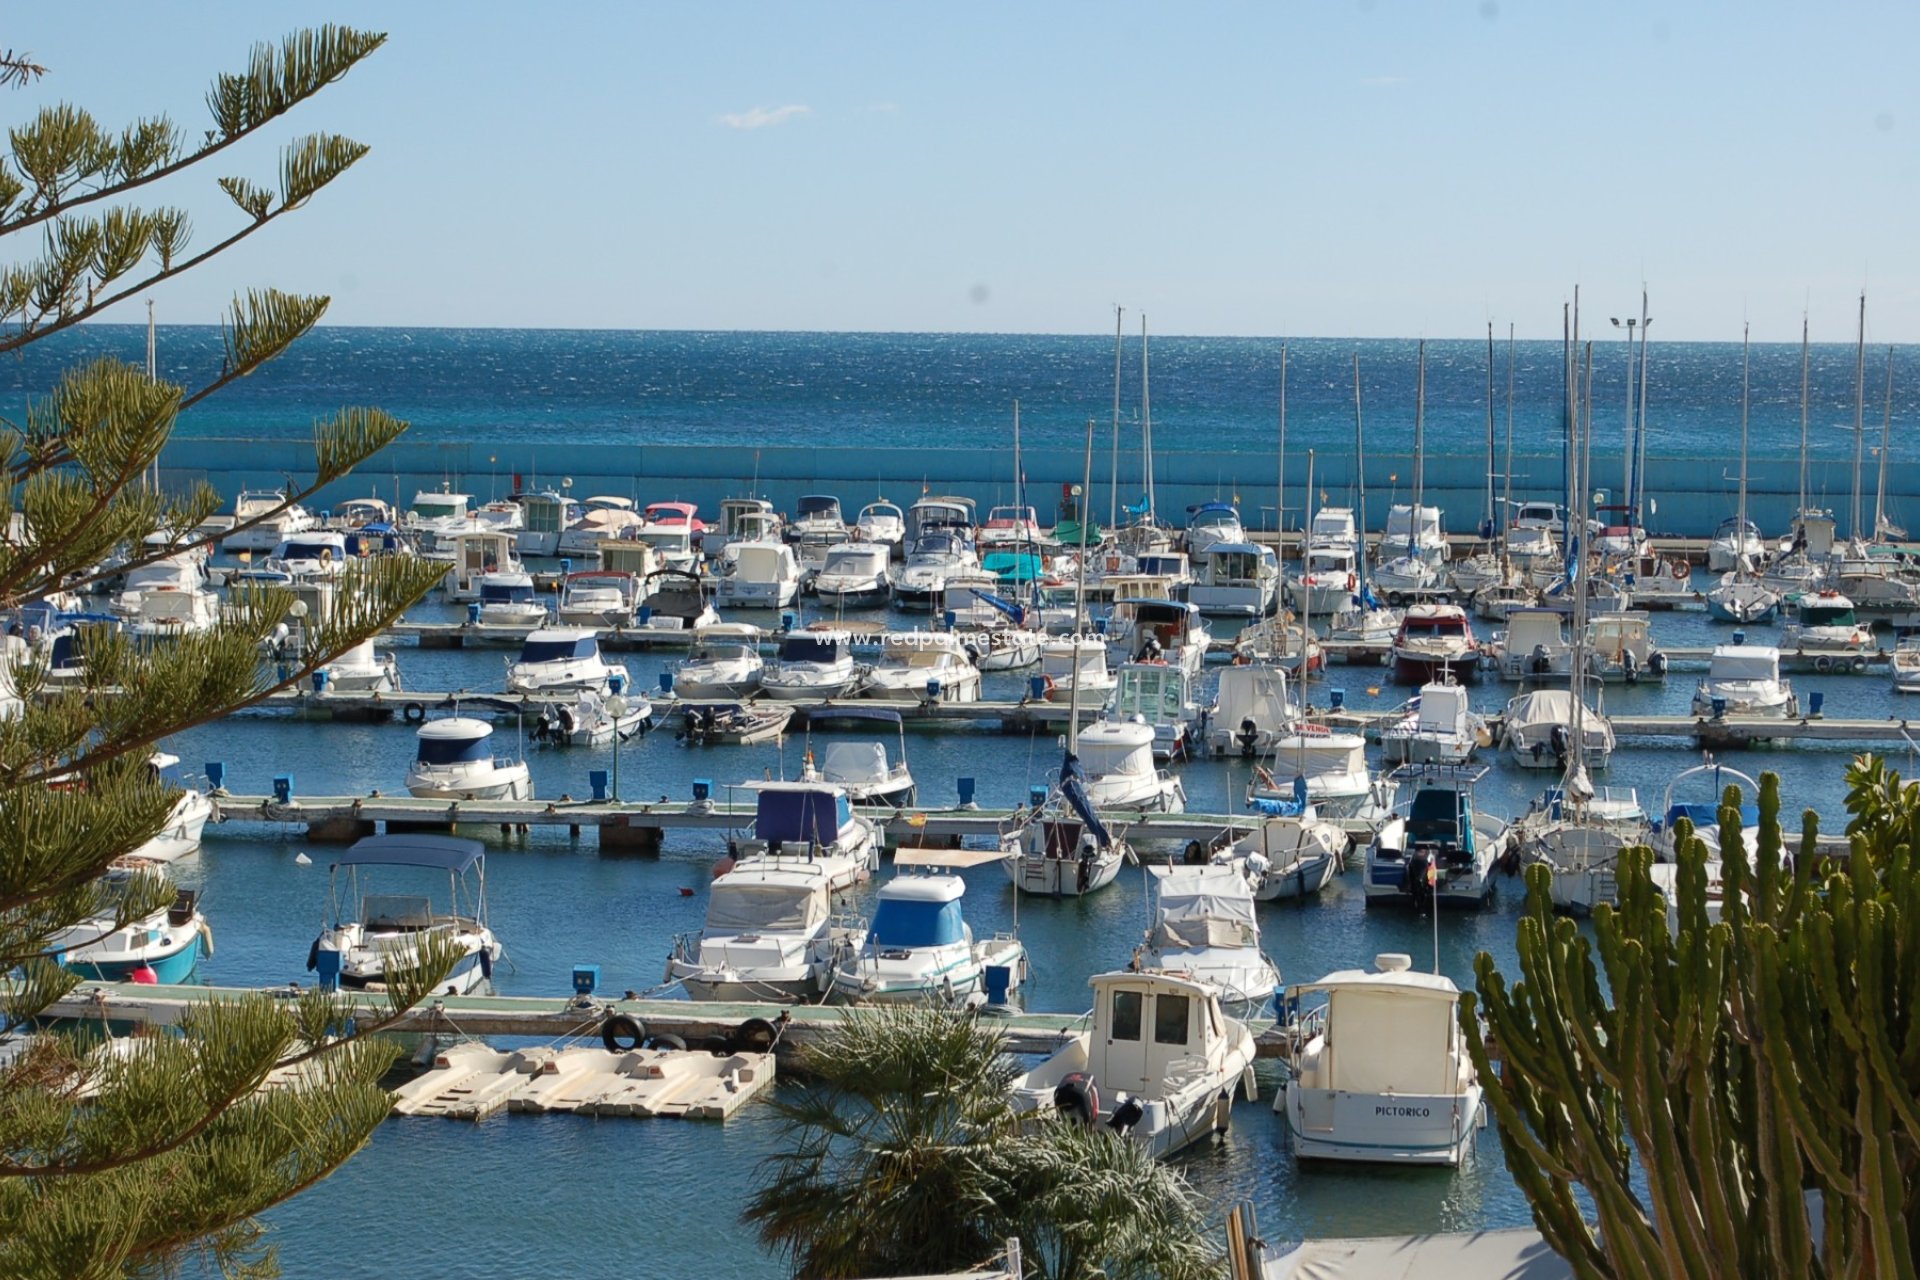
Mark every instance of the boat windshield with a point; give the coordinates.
(902, 922)
(307, 551)
(749, 907)
(396, 912)
(452, 750)
(537, 650)
(809, 649)
(505, 592)
(816, 504)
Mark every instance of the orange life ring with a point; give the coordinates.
(1680, 569)
(1352, 582)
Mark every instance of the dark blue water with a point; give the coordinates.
(617, 1198)
(559, 387)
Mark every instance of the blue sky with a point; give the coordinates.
(1374, 169)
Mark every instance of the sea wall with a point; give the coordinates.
(1690, 495)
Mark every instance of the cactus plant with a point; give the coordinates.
(1726, 1084)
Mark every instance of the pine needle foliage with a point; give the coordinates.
(146, 1156)
(905, 1156)
(1742, 1099)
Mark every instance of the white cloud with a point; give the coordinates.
(762, 117)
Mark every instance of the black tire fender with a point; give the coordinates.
(663, 1041)
(413, 712)
(622, 1033)
(756, 1035)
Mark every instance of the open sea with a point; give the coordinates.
(589, 1198)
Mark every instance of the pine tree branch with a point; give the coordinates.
(18, 69)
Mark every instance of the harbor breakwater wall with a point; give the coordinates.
(1690, 495)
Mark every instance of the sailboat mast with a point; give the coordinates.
(1280, 490)
(1489, 525)
(1636, 516)
(1859, 418)
(1886, 442)
(1146, 421)
(1360, 465)
(1740, 557)
(1580, 460)
(1079, 600)
(1507, 498)
(1113, 495)
(1419, 451)
(1801, 511)
(1306, 597)
(1019, 475)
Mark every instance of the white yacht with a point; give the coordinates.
(360, 670)
(1382, 1073)
(1009, 526)
(1329, 579)
(602, 519)
(862, 769)
(812, 821)
(1534, 646)
(1735, 541)
(882, 524)
(454, 761)
(1436, 726)
(590, 720)
(599, 598)
(770, 935)
(509, 600)
(1252, 710)
(675, 600)
(1204, 928)
(544, 517)
(854, 574)
(936, 557)
(564, 659)
(765, 576)
(366, 930)
(315, 553)
(254, 504)
(1169, 631)
(1235, 579)
(816, 513)
(1292, 853)
(723, 662)
(812, 664)
(1209, 524)
(1160, 1062)
(185, 823)
(1538, 727)
(918, 665)
(1744, 680)
(475, 554)
(1826, 629)
(743, 520)
(1438, 848)
(433, 516)
(919, 949)
(1117, 756)
(167, 598)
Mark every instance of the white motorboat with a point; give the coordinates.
(167, 598)
(475, 554)
(924, 665)
(1160, 697)
(1736, 540)
(936, 557)
(369, 932)
(1435, 642)
(1235, 579)
(1292, 853)
(432, 516)
(314, 553)
(815, 663)
(675, 600)
(882, 524)
(598, 598)
(862, 769)
(564, 660)
(723, 662)
(1494, 603)
(1117, 756)
(358, 513)
(1417, 536)
(1159, 1063)
(812, 820)
(1329, 578)
(853, 575)
(743, 520)
(509, 600)
(590, 720)
(162, 948)
(770, 934)
(674, 530)
(1204, 928)
(811, 549)
(1620, 647)
(734, 724)
(1436, 726)
(1744, 680)
(999, 634)
(1534, 646)
(1209, 524)
(1738, 598)
(919, 949)
(1477, 572)
(1438, 848)
(1906, 665)
(1061, 847)
(816, 513)
(1826, 628)
(273, 527)
(1169, 631)
(1538, 727)
(765, 576)
(1737, 548)
(1705, 814)
(1252, 710)
(191, 812)
(544, 517)
(1381, 1073)
(1075, 662)
(360, 670)
(1010, 526)
(1340, 784)
(943, 514)
(454, 761)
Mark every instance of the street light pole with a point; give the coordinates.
(1626, 446)
(616, 706)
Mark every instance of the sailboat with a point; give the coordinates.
(1486, 567)
(1417, 568)
(1740, 596)
(1799, 566)
(1362, 621)
(1062, 848)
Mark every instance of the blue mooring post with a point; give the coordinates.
(966, 793)
(326, 968)
(1739, 637)
(1037, 687)
(597, 779)
(473, 614)
(585, 978)
(645, 615)
(786, 621)
(951, 619)
(702, 789)
(1337, 698)
(217, 774)
(1815, 700)
(666, 682)
(933, 689)
(566, 565)
(319, 682)
(617, 684)
(1036, 796)
(283, 788)
(1719, 708)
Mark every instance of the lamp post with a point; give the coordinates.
(616, 706)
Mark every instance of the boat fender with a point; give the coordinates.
(622, 1032)
(1859, 663)
(486, 964)
(756, 1035)
(717, 1045)
(663, 1041)
(313, 956)
(1077, 1097)
(1196, 853)
(413, 713)
(1680, 569)
(1823, 663)
(206, 939)
(1128, 1114)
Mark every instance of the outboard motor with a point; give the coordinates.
(1248, 737)
(1540, 663)
(1657, 663)
(1562, 739)
(1128, 1114)
(1419, 866)
(1630, 666)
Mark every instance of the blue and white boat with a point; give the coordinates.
(1438, 849)
(564, 660)
(163, 947)
(367, 931)
(918, 947)
(509, 600)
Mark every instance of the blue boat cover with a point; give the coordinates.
(1277, 808)
(907, 922)
(1073, 788)
(786, 814)
(1008, 607)
(448, 853)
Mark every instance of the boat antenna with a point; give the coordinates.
(1419, 451)
(1113, 483)
(1360, 464)
(1740, 555)
(1507, 502)
(1491, 523)
(1280, 491)
(1146, 424)
(1079, 600)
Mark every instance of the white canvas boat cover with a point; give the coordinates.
(846, 762)
(761, 562)
(1335, 753)
(1442, 707)
(753, 906)
(1515, 1254)
(1541, 707)
(1117, 747)
(1203, 907)
(1256, 693)
(1744, 662)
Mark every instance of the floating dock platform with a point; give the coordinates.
(471, 1081)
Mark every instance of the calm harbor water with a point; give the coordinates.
(622, 1197)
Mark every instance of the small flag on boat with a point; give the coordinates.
(1433, 875)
